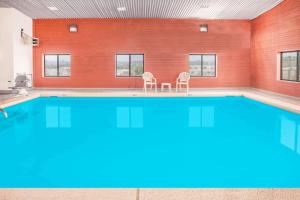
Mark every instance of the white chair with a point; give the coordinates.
(149, 80)
(183, 79)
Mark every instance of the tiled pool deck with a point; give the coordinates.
(282, 101)
(149, 194)
(286, 102)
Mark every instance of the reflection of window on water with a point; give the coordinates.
(58, 117)
(202, 116)
(290, 134)
(130, 117)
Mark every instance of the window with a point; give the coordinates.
(203, 65)
(129, 65)
(57, 65)
(290, 66)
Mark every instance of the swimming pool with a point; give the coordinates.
(149, 142)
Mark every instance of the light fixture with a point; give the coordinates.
(52, 8)
(121, 9)
(203, 28)
(73, 28)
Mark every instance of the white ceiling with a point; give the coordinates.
(178, 9)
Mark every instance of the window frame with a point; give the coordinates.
(129, 54)
(297, 67)
(203, 54)
(57, 64)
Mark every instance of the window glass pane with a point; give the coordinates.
(195, 65)
(209, 65)
(137, 65)
(122, 65)
(289, 66)
(64, 65)
(50, 65)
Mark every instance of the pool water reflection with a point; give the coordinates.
(149, 142)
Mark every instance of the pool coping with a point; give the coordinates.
(150, 194)
(278, 100)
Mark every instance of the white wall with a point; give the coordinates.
(22, 52)
(15, 55)
(6, 48)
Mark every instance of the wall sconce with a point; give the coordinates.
(73, 28)
(203, 28)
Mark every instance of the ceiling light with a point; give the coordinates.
(52, 8)
(204, 6)
(120, 9)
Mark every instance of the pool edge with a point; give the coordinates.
(284, 102)
(151, 194)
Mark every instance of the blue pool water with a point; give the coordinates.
(149, 142)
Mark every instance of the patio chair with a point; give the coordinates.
(149, 80)
(183, 79)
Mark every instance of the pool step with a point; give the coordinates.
(4, 112)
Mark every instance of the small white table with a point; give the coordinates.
(165, 85)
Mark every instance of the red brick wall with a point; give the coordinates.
(165, 43)
(275, 31)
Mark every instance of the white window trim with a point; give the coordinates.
(55, 53)
(278, 66)
(120, 53)
(202, 77)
